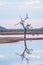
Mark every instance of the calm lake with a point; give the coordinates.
(8, 52)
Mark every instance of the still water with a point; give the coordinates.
(8, 52)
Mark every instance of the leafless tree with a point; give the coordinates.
(26, 50)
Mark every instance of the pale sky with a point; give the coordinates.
(10, 10)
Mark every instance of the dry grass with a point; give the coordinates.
(12, 32)
(9, 39)
(15, 39)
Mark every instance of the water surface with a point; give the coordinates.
(8, 53)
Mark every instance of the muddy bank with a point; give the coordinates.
(15, 39)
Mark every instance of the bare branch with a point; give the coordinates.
(26, 16)
(28, 26)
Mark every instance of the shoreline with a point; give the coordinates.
(17, 32)
(15, 39)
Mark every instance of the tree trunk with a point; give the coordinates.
(25, 38)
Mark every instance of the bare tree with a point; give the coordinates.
(28, 26)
